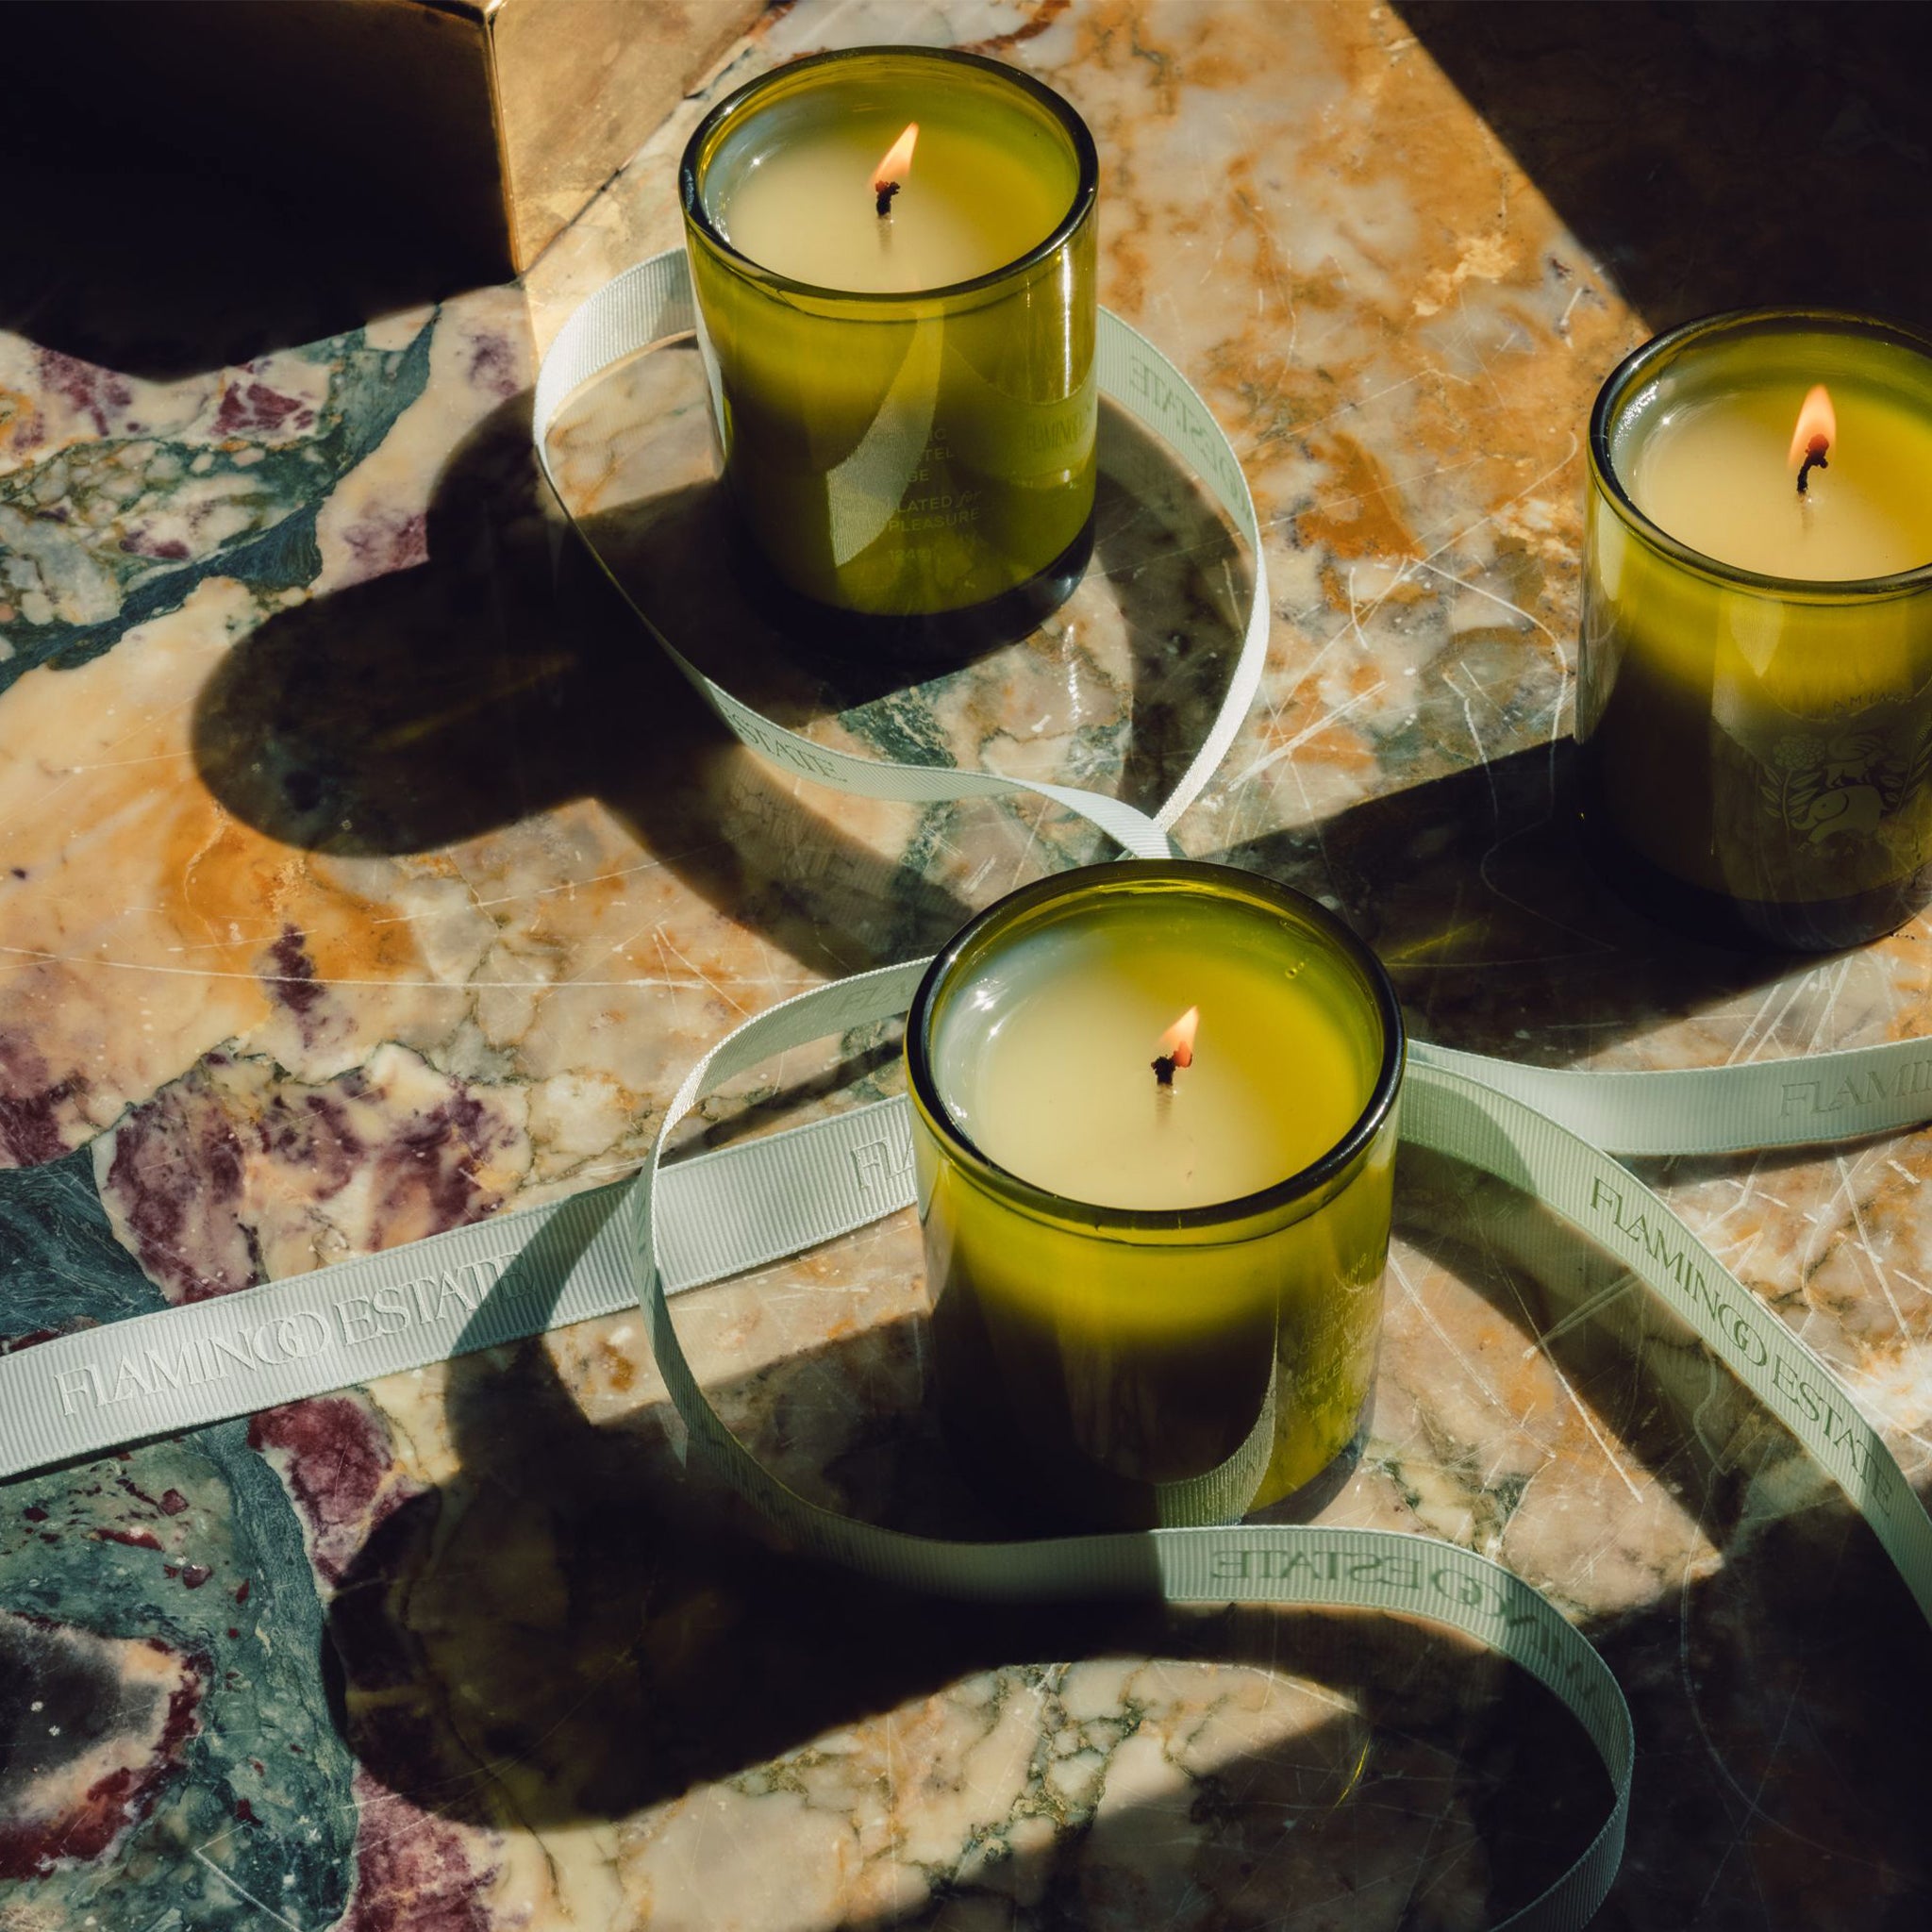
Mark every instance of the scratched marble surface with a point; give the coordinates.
(368, 872)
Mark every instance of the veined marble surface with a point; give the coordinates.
(367, 872)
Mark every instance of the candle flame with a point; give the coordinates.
(1817, 423)
(1178, 1042)
(897, 163)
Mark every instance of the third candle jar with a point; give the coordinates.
(1755, 682)
(1153, 1130)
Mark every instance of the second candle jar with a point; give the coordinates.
(905, 398)
(1157, 1300)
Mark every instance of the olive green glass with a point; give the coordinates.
(1091, 1359)
(905, 456)
(1755, 750)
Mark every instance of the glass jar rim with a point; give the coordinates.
(1624, 380)
(1086, 189)
(1305, 1186)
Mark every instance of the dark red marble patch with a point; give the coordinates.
(329, 1146)
(252, 408)
(413, 1872)
(495, 366)
(293, 983)
(436, 1155)
(335, 1462)
(387, 541)
(33, 1104)
(95, 392)
(134, 1538)
(169, 549)
(176, 1181)
(169, 1502)
(12, 1343)
(60, 1697)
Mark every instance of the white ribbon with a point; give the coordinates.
(652, 303)
(641, 1241)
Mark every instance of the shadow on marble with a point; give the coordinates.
(1163, 574)
(1474, 890)
(1114, 691)
(504, 676)
(133, 248)
(498, 680)
(1761, 1720)
(1713, 157)
(1764, 1729)
(575, 1628)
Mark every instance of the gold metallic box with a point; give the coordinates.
(571, 89)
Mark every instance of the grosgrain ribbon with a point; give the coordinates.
(652, 303)
(669, 1229)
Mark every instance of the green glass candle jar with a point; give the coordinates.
(1154, 1252)
(1754, 680)
(901, 351)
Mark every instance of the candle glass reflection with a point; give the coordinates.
(1152, 1302)
(1756, 728)
(903, 385)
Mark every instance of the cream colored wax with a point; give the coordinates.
(1714, 471)
(974, 199)
(1048, 1068)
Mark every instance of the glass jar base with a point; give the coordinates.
(1749, 926)
(1059, 1494)
(929, 642)
(1303, 1505)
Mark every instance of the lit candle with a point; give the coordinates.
(1061, 1070)
(1155, 1246)
(893, 252)
(1755, 682)
(1755, 479)
(855, 204)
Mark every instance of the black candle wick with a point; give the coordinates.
(1814, 459)
(1164, 1065)
(886, 192)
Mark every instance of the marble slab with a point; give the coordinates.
(368, 871)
